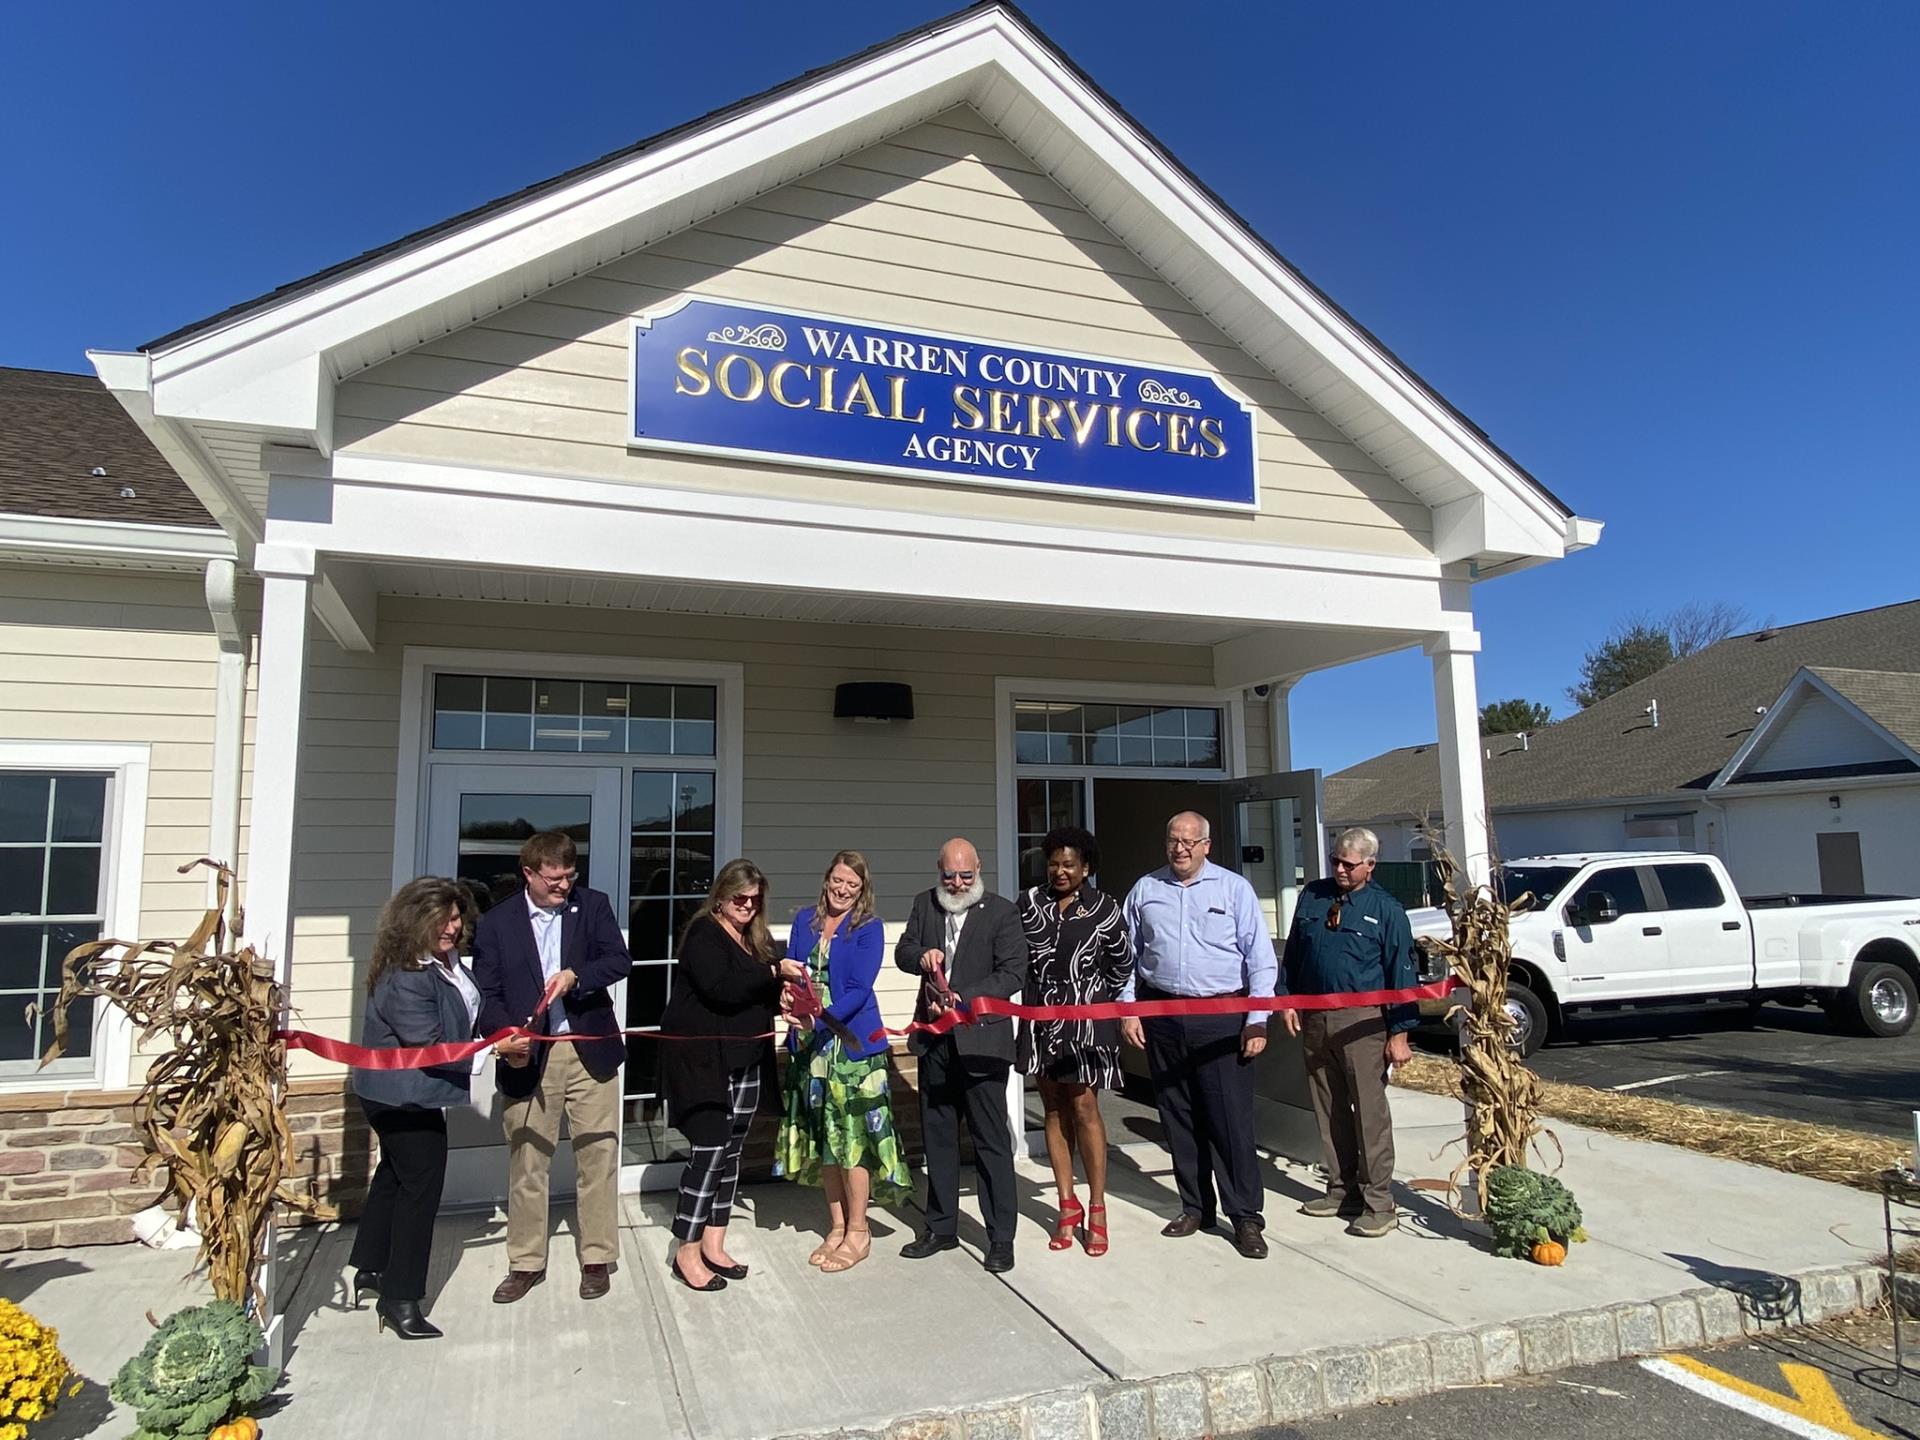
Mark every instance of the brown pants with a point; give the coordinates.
(1346, 1070)
(592, 1111)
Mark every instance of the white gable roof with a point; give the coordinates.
(270, 366)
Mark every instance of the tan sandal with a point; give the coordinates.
(840, 1260)
(826, 1247)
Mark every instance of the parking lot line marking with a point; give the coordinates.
(1814, 1411)
(1668, 1079)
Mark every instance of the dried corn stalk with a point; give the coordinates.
(210, 1109)
(1501, 1093)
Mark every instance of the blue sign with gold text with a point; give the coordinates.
(715, 378)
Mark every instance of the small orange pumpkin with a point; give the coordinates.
(244, 1428)
(1546, 1252)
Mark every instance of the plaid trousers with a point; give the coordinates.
(713, 1171)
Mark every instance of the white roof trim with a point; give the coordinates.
(274, 367)
(1804, 682)
(191, 546)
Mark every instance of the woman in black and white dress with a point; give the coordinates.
(1080, 955)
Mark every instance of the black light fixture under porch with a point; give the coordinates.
(873, 702)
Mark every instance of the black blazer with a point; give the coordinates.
(415, 1007)
(718, 989)
(506, 967)
(992, 960)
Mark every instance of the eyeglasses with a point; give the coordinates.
(566, 877)
(1188, 846)
(1340, 864)
(749, 902)
(1333, 914)
(965, 877)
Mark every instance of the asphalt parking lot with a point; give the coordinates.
(1783, 1062)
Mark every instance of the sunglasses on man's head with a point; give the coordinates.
(1333, 914)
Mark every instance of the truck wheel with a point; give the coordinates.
(1529, 1017)
(1881, 999)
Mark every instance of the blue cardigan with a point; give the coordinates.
(853, 964)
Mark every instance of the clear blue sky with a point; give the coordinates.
(1664, 253)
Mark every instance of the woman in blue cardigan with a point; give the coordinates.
(838, 1128)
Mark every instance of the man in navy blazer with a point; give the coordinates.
(556, 949)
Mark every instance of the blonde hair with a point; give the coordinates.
(735, 876)
(862, 910)
(409, 927)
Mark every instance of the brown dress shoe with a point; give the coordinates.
(1248, 1240)
(593, 1281)
(1184, 1224)
(516, 1285)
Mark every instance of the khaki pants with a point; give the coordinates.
(592, 1111)
(1346, 1070)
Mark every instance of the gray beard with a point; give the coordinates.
(957, 904)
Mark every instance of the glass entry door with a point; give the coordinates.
(477, 818)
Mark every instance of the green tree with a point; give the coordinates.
(1511, 717)
(1634, 651)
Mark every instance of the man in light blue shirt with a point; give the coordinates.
(1198, 932)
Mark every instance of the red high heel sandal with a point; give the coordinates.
(1070, 1217)
(1097, 1231)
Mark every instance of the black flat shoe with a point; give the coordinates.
(929, 1244)
(731, 1272)
(365, 1282)
(718, 1282)
(407, 1321)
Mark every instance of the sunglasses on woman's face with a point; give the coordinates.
(744, 902)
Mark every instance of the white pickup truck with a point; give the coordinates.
(1612, 929)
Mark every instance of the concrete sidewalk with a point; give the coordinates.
(1158, 1338)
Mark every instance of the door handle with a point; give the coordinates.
(1650, 930)
(1729, 924)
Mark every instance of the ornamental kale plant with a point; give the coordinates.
(1525, 1207)
(194, 1373)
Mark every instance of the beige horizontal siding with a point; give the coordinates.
(130, 659)
(811, 784)
(948, 227)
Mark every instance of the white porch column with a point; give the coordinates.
(287, 575)
(1463, 791)
(1286, 846)
(229, 718)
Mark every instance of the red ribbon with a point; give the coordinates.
(969, 1012)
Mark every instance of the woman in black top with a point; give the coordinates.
(418, 993)
(1079, 954)
(726, 988)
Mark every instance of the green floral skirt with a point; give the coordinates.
(836, 1111)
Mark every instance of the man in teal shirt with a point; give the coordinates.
(1350, 936)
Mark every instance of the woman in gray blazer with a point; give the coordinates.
(419, 993)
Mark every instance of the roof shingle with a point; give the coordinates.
(56, 429)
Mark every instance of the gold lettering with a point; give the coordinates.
(826, 389)
(726, 367)
(1083, 424)
(860, 393)
(897, 401)
(1133, 428)
(966, 399)
(1000, 412)
(1210, 434)
(780, 373)
(692, 372)
(1177, 428)
(1041, 415)
(1113, 425)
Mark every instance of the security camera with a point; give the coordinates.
(1262, 690)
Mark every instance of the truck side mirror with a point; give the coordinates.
(1600, 909)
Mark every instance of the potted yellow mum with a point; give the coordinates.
(33, 1372)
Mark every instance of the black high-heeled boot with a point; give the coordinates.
(407, 1321)
(365, 1282)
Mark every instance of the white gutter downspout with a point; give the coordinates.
(229, 715)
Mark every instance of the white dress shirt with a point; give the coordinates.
(546, 935)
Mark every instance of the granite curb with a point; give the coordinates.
(1238, 1399)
